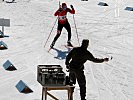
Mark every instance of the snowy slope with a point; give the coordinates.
(108, 28)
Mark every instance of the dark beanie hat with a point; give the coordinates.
(85, 43)
(64, 4)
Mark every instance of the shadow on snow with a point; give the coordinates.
(61, 54)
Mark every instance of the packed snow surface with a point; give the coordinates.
(109, 29)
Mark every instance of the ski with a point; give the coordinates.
(70, 47)
(50, 49)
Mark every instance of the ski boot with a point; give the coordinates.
(52, 45)
(69, 44)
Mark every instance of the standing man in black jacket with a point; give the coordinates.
(75, 63)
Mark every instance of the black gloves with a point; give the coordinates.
(67, 66)
(71, 6)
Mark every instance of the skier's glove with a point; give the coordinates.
(67, 66)
(106, 59)
(71, 6)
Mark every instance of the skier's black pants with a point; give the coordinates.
(79, 75)
(59, 29)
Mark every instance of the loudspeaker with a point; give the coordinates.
(23, 88)
(129, 8)
(9, 66)
(3, 45)
(102, 4)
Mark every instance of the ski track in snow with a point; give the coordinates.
(108, 28)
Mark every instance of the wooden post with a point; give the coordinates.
(45, 89)
(3, 30)
(42, 92)
(3, 26)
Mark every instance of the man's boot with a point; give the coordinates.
(69, 44)
(52, 44)
(83, 98)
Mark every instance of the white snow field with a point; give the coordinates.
(109, 29)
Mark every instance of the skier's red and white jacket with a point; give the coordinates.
(62, 19)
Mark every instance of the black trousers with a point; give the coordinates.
(79, 75)
(59, 29)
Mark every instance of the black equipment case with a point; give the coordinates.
(51, 75)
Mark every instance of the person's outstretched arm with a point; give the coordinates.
(96, 60)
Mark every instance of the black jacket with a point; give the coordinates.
(78, 56)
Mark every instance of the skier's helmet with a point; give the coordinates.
(64, 6)
(85, 43)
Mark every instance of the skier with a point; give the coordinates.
(63, 22)
(75, 63)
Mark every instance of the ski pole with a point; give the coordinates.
(59, 5)
(50, 33)
(76, 29)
